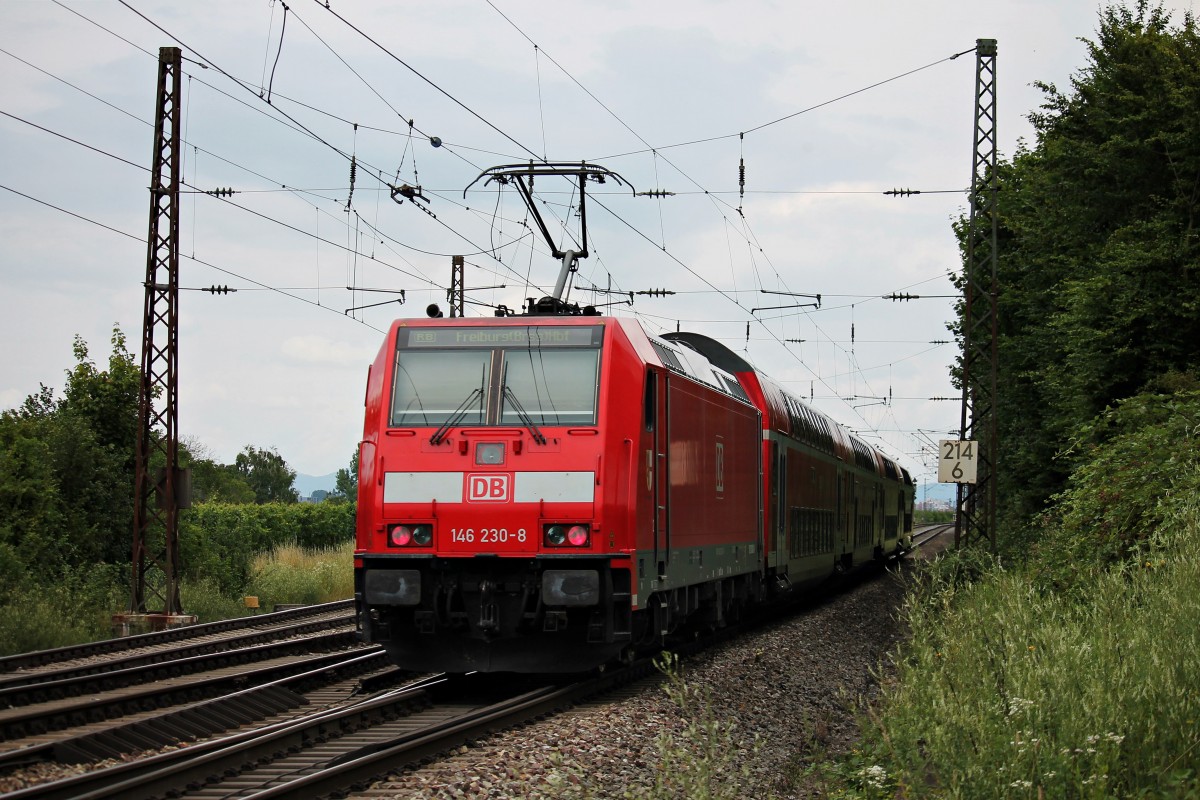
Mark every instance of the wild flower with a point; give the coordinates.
(1018, 704)
(1021, 785)
(874, 776)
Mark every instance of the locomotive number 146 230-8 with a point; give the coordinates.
(487, 535)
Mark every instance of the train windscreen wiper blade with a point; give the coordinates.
(527, 420)
(455, 418)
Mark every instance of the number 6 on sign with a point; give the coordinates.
(956, 463)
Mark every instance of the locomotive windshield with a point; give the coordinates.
(430, 386)
(496, 376)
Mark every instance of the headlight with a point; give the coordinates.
(556, 535)
(400, 536)
(410, 535)
(567, 535)
(578, 535)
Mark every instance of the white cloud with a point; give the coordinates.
(316, 350)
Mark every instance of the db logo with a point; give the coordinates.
(489, 488)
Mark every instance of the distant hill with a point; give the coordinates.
(307, 484)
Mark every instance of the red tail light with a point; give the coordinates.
(410, 535)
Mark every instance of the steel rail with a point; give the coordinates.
(38, 718)
(21, 688)
(90, 649)
(171, 772)
(337, 760)
(357, 769)
(207, 717)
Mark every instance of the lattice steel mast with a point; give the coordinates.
(976, 517)
(455, 294)
(159, 486)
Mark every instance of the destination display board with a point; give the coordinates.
(532, 336)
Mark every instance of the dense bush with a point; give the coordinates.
(219, 542)
(1138, 465)
(76, 607)
(294, 553)
(930, 517)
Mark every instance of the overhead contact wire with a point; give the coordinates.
(414, 71)
(140, 240)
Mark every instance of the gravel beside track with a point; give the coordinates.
(791, 684)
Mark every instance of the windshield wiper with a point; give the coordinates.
(454, 418)
(511, 396)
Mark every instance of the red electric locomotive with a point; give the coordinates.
(549, 493)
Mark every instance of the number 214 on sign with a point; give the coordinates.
(956, 463)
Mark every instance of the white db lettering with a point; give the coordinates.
(487, 488)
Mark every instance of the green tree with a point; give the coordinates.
(93, 446)
(267, 474)
(31, 509)
(219, 483)
(1099, 247)
(107, 401)
(212, 482)
(346, 480)
(66, 468)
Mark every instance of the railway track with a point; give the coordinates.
(91, 653)
(325, 730)
(178, 688)
(337, 750)
(933, 538)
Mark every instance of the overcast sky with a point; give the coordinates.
(828, 105)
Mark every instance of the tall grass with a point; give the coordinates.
(1008, 691)
(79, 607)
(203, 598)
(292, 574)
(76, 607)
